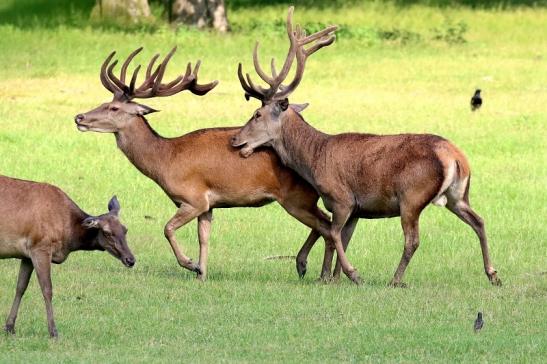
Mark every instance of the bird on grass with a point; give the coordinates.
(476, 100)
(478, 323)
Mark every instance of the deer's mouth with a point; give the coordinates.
(87, 127)
(82, 127)
(246, 149)
(236, 141)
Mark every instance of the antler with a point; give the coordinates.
(298, 40)
(151, 86)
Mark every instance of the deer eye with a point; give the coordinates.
(257, 114)
(114, 108)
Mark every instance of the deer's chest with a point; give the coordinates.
(14, 247)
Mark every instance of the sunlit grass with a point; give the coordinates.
(256, 310)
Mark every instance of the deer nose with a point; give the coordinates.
(130, 261)
(79, 118)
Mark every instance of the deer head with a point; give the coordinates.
(111, 233)
(113, 116)
(265, 124)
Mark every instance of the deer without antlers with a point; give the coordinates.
(199, 171)
(40, 225)
(359, 175)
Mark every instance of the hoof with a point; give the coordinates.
(325, 278)
(301, 268)
(9, 329)
(397, 284)
(53, 334)
(495, 280)
(200, 277)
(196, 268)
(191, 266)
(354, 276)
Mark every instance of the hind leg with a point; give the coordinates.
(410, 224)
(25, 271)
(462, 209)
(304, 208)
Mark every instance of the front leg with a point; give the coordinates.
(347, 233)
(25, 271)
(204, 231)
(185, 214)
(340, 217)
(42, 263)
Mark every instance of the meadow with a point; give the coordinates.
(395, 67)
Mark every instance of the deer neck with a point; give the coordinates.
(82, 238)
(144, 148)
(300, 146)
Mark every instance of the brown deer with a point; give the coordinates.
(199, 171)
(40, 224)
(360, 175)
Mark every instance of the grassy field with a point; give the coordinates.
(395, 68)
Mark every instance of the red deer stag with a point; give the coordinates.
(40, 224)
(360, 175)
(199, 171)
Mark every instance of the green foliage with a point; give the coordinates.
(451, 33)
(255, 310)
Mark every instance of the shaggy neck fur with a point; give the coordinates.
(300, 146)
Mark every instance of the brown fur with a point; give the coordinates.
(357, 175)
(201, 171)
(40, 224)
(369, 176)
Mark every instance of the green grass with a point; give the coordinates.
(252, 310)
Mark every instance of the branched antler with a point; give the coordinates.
(298, 40)
(152, 85)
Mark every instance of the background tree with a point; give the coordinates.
(200, 13)
(132, 10)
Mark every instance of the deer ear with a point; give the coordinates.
(114, 206)
(90, 222)
(299, 107)
(143, 110)
(283, 104)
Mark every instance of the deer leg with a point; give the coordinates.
(410, 224)
(328, 255)
(184, 214)
(471, 218)
(302, 257)
(204, 231)
(25, 271)
(42, 264)
(310, 215)
(347, 233)
(340, 217)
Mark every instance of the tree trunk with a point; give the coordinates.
(132, 10)
(201, 13)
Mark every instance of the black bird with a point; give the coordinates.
(476, 100)
(478, 322)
